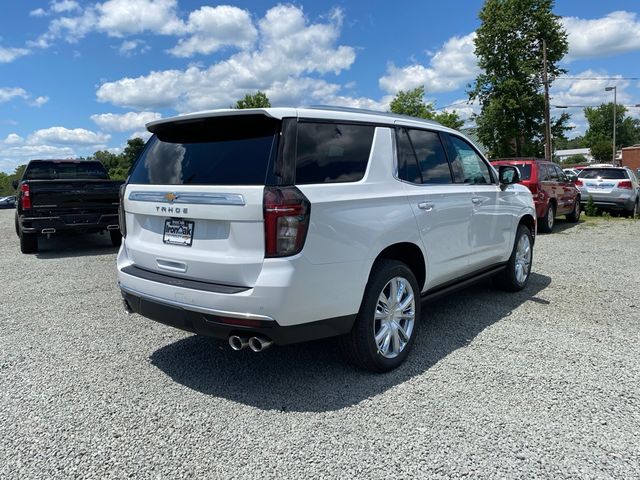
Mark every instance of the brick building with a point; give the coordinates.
(631, 157)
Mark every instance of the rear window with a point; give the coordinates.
(609, 173)
(215, 151)
(332, 152)
(66, 170)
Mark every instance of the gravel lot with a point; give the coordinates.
(544, 383)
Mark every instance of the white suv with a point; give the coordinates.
(284, 225)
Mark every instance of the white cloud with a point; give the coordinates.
(7, 94)
(289, 49)
(38, 12)
(66, 136)
(13, 139)
(8, 55)
(212, 28)
(463, 108)
(126, 122)
(64, 6)
(118, 18)
(39, 101)
(143, 134)
(615, 33)
(450, 68)
(129, 48)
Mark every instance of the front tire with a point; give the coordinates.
(633, 213)
(547, 222)
(518, 270)
(387, 323)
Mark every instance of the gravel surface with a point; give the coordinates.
(544, 383)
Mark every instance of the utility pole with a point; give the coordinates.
(547, 119)
(615, 101)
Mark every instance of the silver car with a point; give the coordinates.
(611, 188)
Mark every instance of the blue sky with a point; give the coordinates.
(77, 76)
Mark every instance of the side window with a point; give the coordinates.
(431, 157)
(474, 170)
(332, 152)
(553, 174)
(543, 175)
(407, 162)
(561, 175)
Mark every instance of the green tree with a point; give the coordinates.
(602, 151)
(575, 160)
(569, 143)
(118, 165)
(412, 103)
(257, 100)
(600, 130)
(509, 50)
(6, 181)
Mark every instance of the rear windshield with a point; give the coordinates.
(609, 173)
(215, 151)
(66, 170)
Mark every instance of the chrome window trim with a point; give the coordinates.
(190, 198)
(195, 308)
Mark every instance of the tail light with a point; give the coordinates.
(626, 184)
(533, 187)
(578, 183)
(25, 198)
(122, 218)
(286, 221)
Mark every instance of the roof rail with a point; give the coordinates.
(334, 108)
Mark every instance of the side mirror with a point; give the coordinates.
(508, 175)
(15, 184)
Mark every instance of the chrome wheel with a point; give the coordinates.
(523, 259)
(550, 217)
(395, 317)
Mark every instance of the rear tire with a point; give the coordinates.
(116, 237)
(387, 323)
(574, 216)
(17, 225)
(28, 242)
(518, 270)
(633, 213)
(547, 222)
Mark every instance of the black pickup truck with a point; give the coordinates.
(65, 195)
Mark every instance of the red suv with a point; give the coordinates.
(553, 193)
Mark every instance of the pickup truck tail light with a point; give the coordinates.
(286, 221)
(25, 198)
(626, 184)
(122, 219)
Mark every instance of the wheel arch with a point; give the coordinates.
(528, 221)
(411, 255)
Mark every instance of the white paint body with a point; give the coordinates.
(467, 228)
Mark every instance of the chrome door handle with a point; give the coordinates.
(477, 200)
(425, 206)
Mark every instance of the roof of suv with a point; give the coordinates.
(323, 112)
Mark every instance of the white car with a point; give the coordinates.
(284, 225)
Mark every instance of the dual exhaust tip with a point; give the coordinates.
(257, 343)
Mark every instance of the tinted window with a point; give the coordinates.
(407, 162)
(466, 161)
(65, 170)
(431, 157)
(543, 172)
(332, 152)
(552, 172)
(611, 173)
(523, 168)
(217, 151)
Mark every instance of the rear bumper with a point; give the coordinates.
(79, 223)
(221, 325)
(610, 203)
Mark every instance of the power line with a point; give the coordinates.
(597, 78)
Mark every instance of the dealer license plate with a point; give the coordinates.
(178, 232)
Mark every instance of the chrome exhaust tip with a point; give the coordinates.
(48, 230)
(258, 344)
(237, 342)
(113, 227)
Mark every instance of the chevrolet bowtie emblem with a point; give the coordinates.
(170, 197)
